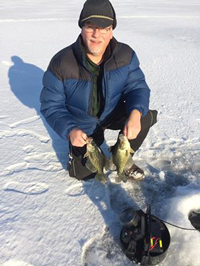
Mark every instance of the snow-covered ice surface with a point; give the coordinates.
(49, 219)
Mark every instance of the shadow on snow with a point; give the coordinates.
(26, 83)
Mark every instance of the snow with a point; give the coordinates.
(50, 219)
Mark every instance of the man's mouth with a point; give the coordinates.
(95, 42)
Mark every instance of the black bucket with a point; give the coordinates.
(194, 217)
(145, 239)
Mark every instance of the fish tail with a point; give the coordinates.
(101, 178)
(120, 177)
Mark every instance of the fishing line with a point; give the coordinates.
(183, 228)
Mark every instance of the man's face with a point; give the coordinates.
(96, 39)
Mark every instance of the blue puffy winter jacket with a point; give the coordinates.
(67, 92)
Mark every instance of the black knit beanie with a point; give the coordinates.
(98, 12)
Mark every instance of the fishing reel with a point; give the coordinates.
(144, 238)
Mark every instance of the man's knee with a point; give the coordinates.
(149, 119)
(77, 169)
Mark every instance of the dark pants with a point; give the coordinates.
(76, 165)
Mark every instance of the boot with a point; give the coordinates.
(134, 173)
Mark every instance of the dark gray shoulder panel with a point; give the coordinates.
(64, 66)
(121, 57)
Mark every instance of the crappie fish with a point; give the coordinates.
(121, 157)
(96, 160)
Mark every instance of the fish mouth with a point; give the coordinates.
(122, 137)
(89, 140)
(123, 142)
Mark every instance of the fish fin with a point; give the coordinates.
(111, 148)
(123, 177)
(112, 166)
(127, 152)
(101, 178)
(85, 155)
(106, 163)
(129, 163)
(90, 166)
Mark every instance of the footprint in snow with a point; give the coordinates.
(94, 189)
(75, 190)
(29, 149)
(26, 188)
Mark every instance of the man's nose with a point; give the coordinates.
(96, 32)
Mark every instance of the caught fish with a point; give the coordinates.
(121, 157)
(96, 160)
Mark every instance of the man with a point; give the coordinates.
(96, 84)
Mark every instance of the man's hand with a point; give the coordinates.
(133, 125)
(77, 137)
